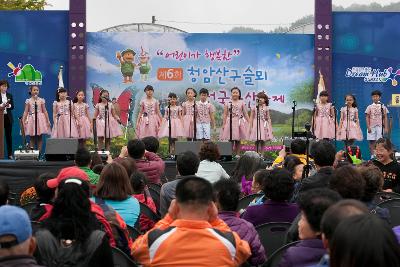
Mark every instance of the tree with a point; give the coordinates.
(303, 92)
(22, 4)
(242, 29)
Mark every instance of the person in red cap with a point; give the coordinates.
(65, 173)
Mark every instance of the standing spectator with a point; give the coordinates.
(4, 192)
(151, 144)
(83, 160)
(310, 249)
(191, 234)
(278, 189)
(244, 170)
(16, 242)
(187, 164)
(227, 195)
(209, 169)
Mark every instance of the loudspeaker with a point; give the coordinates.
(225, 148)
(58, 149)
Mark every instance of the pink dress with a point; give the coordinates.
(113, 128)
(188, 125)
(176, 124)
(264, 127)
(324, 126)
(80, 111)
(149, 122)
(42, 127)
(354, 131)
(61, 124)
(239, 123)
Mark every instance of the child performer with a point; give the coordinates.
(188, 109)
(240, 120)
(376, 116)
(323, 122)
(105, 108)
(176, 122)
(61, 117)
(349, 125)
(81, 112)
(149, 117)
(43, 122)
(204, 116)
(264, 126)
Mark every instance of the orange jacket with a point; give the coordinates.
(190, 243)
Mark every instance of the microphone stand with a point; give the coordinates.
(36, 125)
(169, 128)
(382, 117)
(347, 125)
(70, 119)
(95, 135)
(293, 114)
(230, 122)
(313, 118)
(258, 125)
(106, 115)
(128, 118)
(334, 121)
(194, 122)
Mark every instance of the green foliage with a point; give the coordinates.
(242, 29)
(22, 4)
(303, 92)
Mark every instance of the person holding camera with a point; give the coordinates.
(298, 148)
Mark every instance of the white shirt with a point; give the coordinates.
(4, 101)
(211, 171)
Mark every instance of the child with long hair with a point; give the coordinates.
(240, 120)
(323, 120)
(104, 109)
(188, 113)
(349, 124)
(28, 118)
(176, 122)
(265, 124)
(81, 112)
(244, 170)
(149, 117)
(62, 127)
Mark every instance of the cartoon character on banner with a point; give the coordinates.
(125, 101)
(144, 65)
(126, 59)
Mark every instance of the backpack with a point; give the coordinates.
(55, 254)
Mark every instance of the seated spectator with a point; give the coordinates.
(396, 231)
(187, 163)
(83, 161)
(151, 144)
(323, 154)
(4, 192)
(373, 178)
(278, 189)
(389, 167)
(16, 242)
(227, 194)
(209, 169)
(310, 249)
(114, 189)
(298, 148)
(44, 194)
(348, 182)
(129, 164)
(244, 170)
(332, 217)
(139, 184)
(364, 240)
(192, 226)
(95, 159)
(71, 235)
(98, 168)
(257, 186)
(296, 167)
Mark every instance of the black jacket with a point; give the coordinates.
(9, 113)
(319, 180)
(18, 261)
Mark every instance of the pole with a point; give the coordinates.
(258, 124)
(169, 127)
(347, 125)
(128, 118)
(293, 114)
(313, 117)
(70, 119)
(382, 117)
(105, 124)
(334, 121)
(194, 122)
(230, 122)
(36, 125)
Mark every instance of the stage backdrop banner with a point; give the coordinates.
(33, 45)
(366, 57)
(279, 64)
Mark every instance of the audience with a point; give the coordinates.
(364, 240)
(45, 196)
(296, 167)
(191, 233)
(209, 169)
(298, 149)
(187, 164)
(310, 249)
(115, 190)
(129, 164)
(71, 235)
(244, 170)
(151, 144)
(95, 159)
(83, 160)
(278, 189)
(257, 186)
(98, 169)
(227, 194)
(4, 192)
(348, 182)
(16, 242)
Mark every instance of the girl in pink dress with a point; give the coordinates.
(81, 111)
(28, 118)
(176, 122)
(324, 124)
(62, 116)
(113, 129)
(149, 117)
(264, 125)
(188, 110)
(349, 125)
(240, 119)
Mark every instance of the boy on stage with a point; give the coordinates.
(204, 117)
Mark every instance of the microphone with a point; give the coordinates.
(106, 98)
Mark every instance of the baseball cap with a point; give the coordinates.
(14, 221)
(65, 173)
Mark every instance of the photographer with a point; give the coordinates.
(298, 148)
